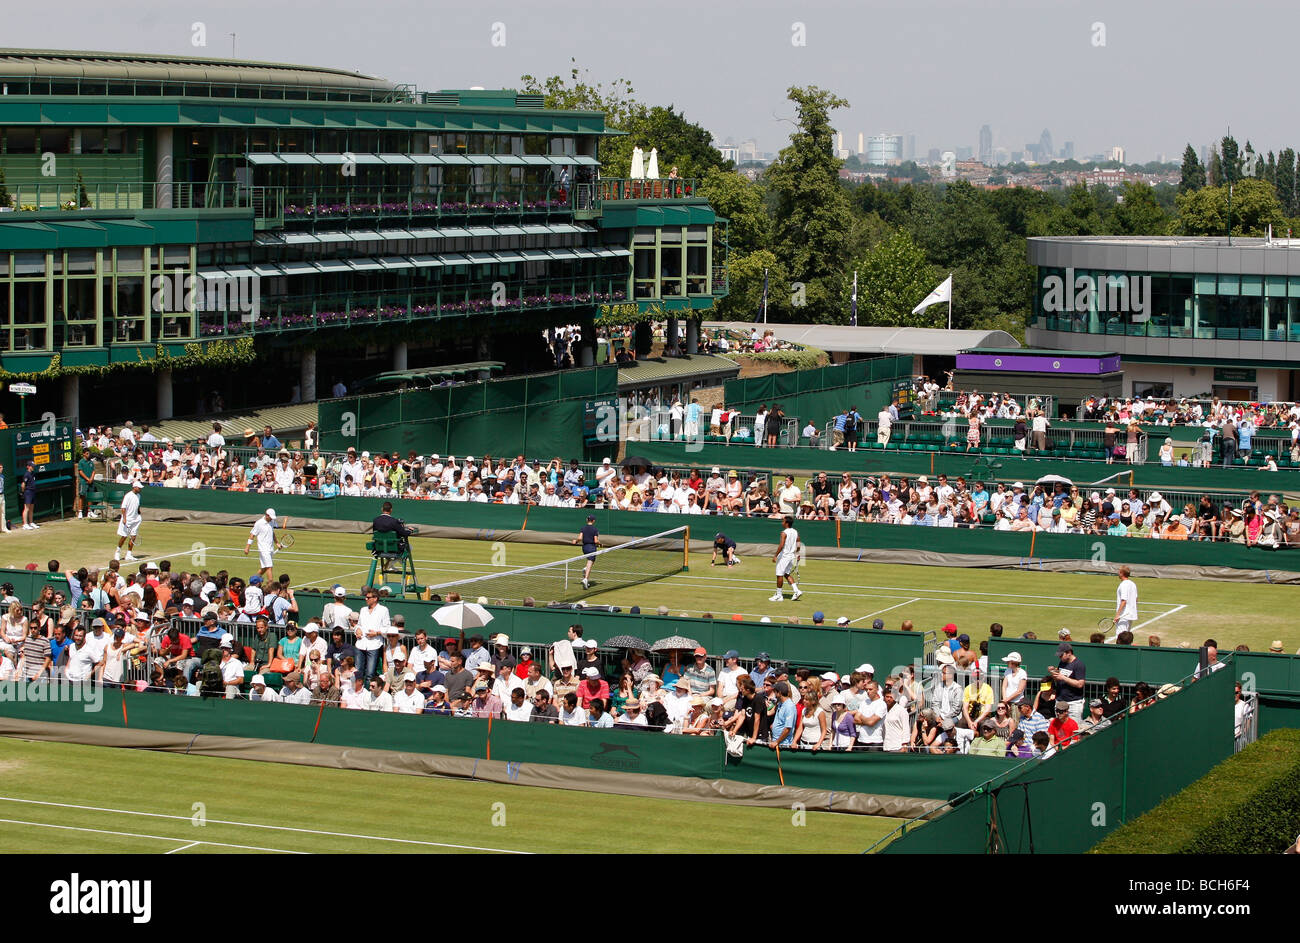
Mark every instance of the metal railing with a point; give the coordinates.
(1156, 327)
(950, 436)
(68, 195)
(310, 206)
(663, 188)
(87, 86)
(309, 312)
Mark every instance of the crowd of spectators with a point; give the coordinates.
(1257, 520)
(134, 629)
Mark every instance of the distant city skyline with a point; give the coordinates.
(931, 70)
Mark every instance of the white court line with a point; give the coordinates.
(182, 848)
(166, 838)
(1161, 616)
(277, 828)
(879, 611)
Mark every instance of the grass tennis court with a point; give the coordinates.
(69, 798)
(1177, 610)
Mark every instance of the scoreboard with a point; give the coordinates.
(48, 449)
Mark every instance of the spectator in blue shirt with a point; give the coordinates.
(269, 441)
(784, 720)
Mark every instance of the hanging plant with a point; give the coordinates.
(213, 354)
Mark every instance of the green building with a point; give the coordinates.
(159, 215)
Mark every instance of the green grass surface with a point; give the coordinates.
(86, 799)
(1177, 610)
(1248, 804)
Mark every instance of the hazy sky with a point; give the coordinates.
(1171, 71)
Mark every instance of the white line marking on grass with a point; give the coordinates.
(1159, 617)
(182, 848)
(958, 592)
(166, 838)
(278, 828)
(879, 611)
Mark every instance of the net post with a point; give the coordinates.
(686, 549)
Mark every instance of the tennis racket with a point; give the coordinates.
(1105, 624)
(285, 539)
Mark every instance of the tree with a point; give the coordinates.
(892, 278)
(1215, 176)
(1255, 207)
(681, 144)
(740, 201)
(745, 275)
(1231, 160)
(1137, 213)
(812, 216)
(1079, 216)
(1286, 181)
(1193, 177)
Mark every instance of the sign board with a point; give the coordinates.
(1234, 375)
(597, 412)
(48, 448)
(564, 657)
(22, 389)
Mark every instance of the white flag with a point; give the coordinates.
(942, 293)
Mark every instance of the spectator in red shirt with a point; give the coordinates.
(525, 659)
(592, 686)
(1064, 730)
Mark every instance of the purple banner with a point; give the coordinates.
(1034, 363)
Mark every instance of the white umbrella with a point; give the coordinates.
(638, 164)
(652, 172)
(462, 615)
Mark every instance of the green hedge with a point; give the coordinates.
(1261, 818)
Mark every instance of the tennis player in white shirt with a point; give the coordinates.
(263, 533)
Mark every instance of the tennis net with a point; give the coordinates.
(639, 560)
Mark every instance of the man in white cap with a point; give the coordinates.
(260, 692)
(408, 700)
(336, 613)
(129, 525)
(264, 533)
(232, 669)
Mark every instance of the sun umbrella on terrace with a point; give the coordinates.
(637, 461)
(637, 171)
(675, 643)
(627, 641)
(462, 616)
(652, 171)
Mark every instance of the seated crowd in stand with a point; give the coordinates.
(1053, 508)
(137, 629)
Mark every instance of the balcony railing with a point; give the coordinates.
(1159, 327)
(349, 309)
(306, 208)
(266, 202)
(624, 188)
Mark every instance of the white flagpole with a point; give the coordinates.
(950, 307)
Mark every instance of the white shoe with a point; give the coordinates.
(117, 554)
(94, 514)
(777, 597)
(130, 557)
(795, 597)
(586, 584)
(79, 515)
(36, 527)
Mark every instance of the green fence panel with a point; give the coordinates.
(929, 777)
(1078, 796)
(543, 389)
(1129, 663)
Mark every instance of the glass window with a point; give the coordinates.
(29, 264)
(20, 140)
(56, 140)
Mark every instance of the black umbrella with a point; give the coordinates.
(627, 641)
(637, 461)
